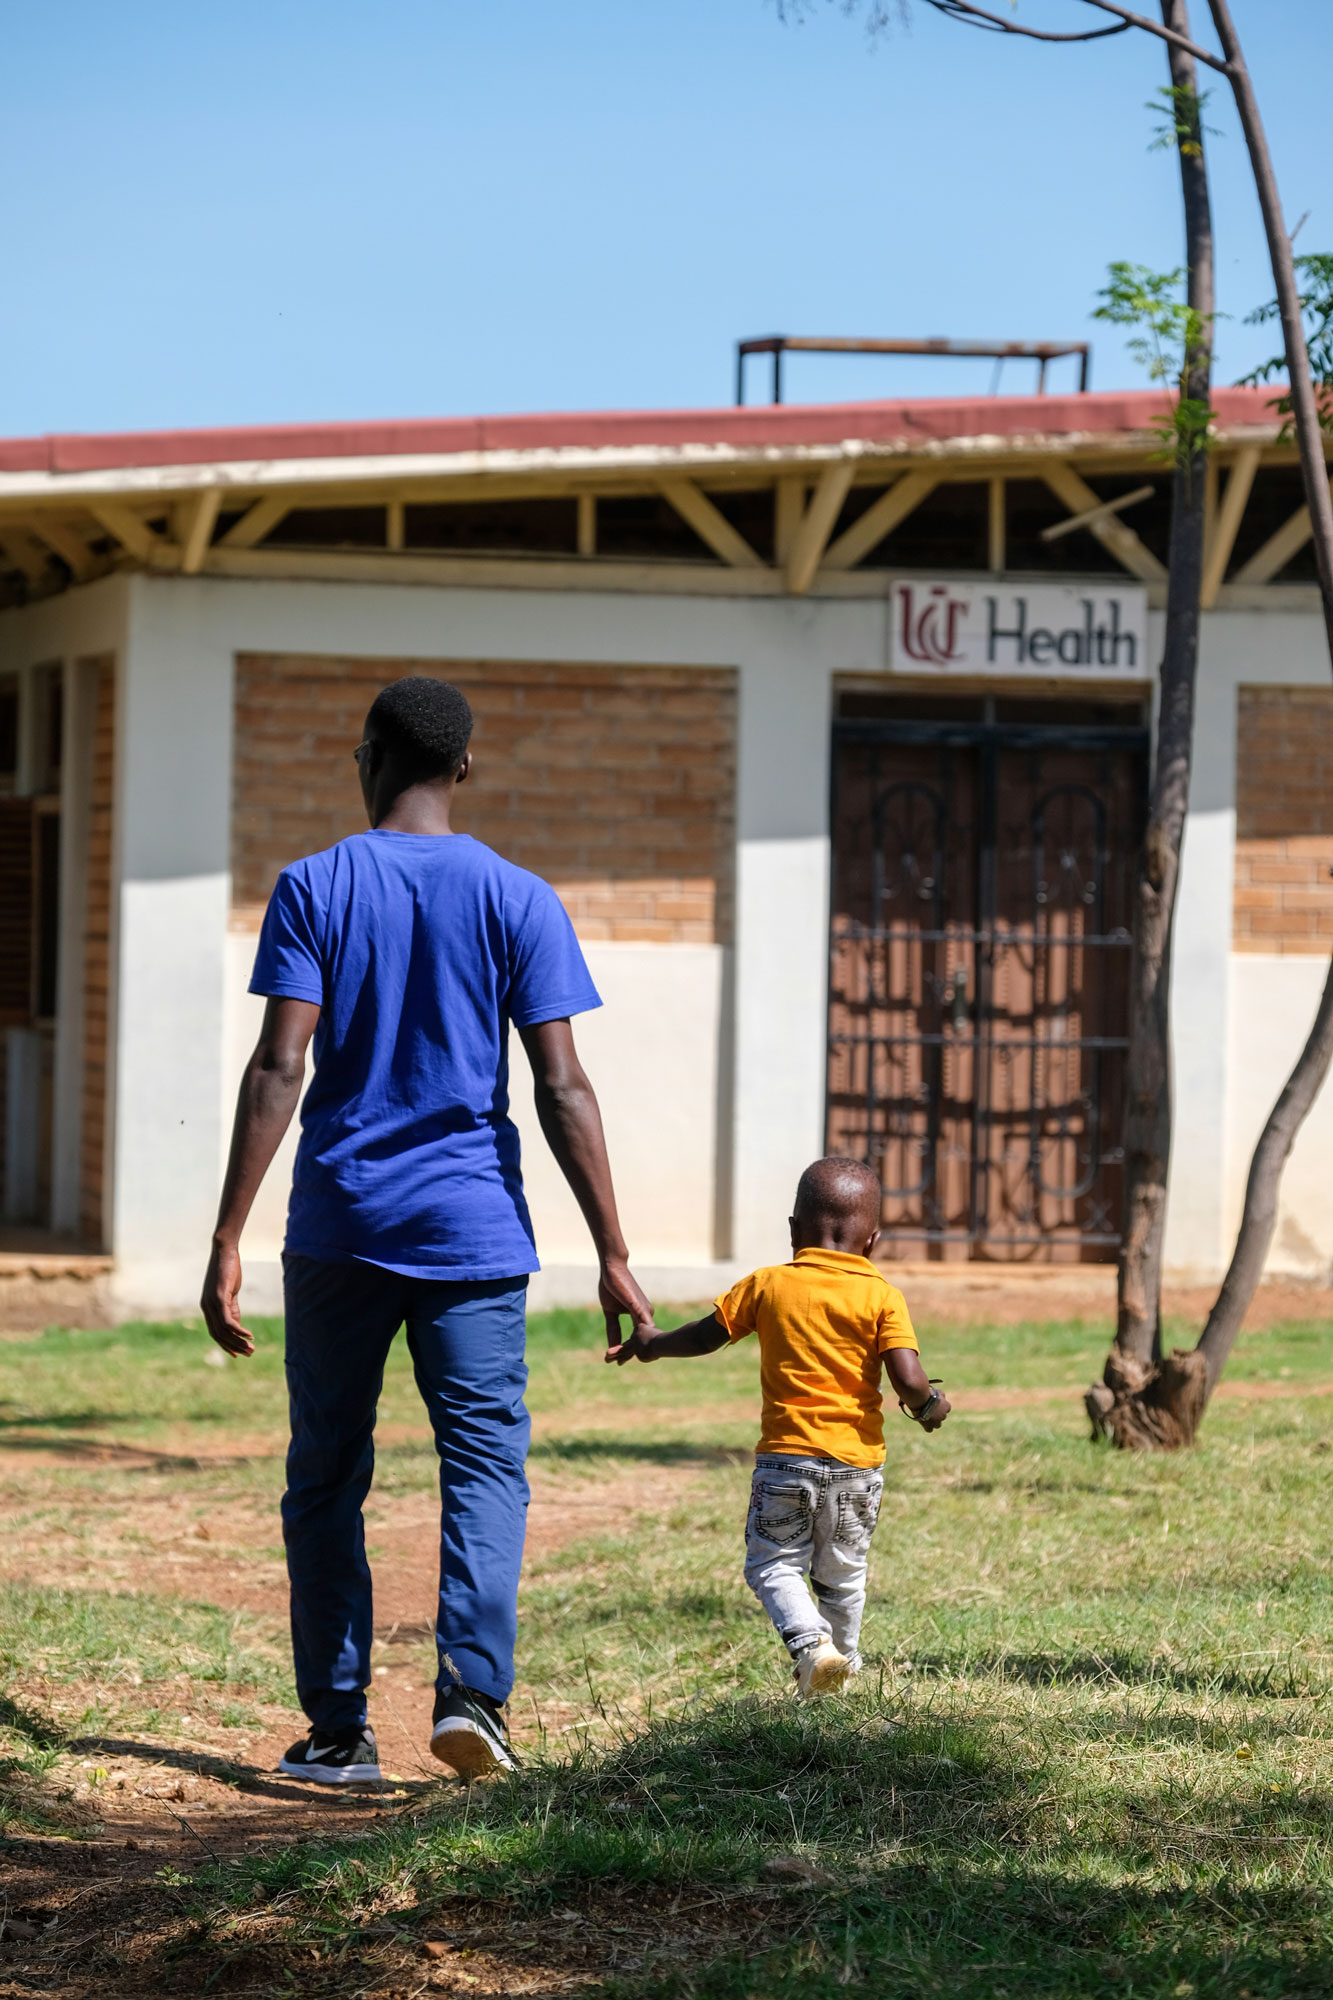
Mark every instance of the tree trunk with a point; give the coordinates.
(1131, 1404)
(1303, 1085)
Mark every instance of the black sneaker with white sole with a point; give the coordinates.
(334, 1757)
(470, 1734)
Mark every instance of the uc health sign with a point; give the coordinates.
(987, 626)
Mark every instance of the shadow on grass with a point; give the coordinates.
(646, 1451)
(30, 1724)
(63, 1419)
(836, 1853)
(249, 1778)
(134, 1457)
(1278, 1679)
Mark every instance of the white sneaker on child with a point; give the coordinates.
(820, 1669)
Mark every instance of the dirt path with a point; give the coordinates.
(191, 1793)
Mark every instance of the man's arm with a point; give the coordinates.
(572, 1123)
(911, 1385)
(269, 1092)
(701, 1336)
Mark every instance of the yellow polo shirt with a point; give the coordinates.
(824, 1323)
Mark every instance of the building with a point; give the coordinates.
(829, 724)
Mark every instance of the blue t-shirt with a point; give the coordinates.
(419, 950)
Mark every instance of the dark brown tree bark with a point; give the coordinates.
(1120, 1405)
(1259, 1216)
(1168, 1403)
(1144, 1398)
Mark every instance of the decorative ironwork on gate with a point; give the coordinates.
(979, 979)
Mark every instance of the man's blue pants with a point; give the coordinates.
(466, 1342)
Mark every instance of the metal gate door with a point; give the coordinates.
(979, 980)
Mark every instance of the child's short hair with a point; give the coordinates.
(838, 1188)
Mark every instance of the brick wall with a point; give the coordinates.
(614, 783)
(1283, 897)
(97, 960)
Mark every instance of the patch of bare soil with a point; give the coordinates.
(993, 1295)
(233, 1559)
(1278, 1302)
(94, 1915)
(964, 1400)
(96, 1920)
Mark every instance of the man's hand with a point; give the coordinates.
(618, 1293)
(269, 1090)
(221, 1301)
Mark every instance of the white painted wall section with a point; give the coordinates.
(1236, 1031)
(710, 1067)
(1273, 1002)
(173, 792)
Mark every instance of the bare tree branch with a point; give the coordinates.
(996, 24)
(1163, 34)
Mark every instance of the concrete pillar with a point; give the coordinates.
(170, 876)
(1200, 977)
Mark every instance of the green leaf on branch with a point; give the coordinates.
(1179, 107)
(1171, 342)
(1314, 273)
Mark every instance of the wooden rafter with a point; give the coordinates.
(21, 552)
(1105, 510)
(73, 551)
(199, 533)
(130, 529)
(709, 525)
(395, 525)
(587, 524)
(788, 507)
(1226, 522)
(880, 519)
(258, 521)
(1112, 533)
(995, 526)
(817, 523)
(1278, 550)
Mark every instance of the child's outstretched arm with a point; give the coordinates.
(912, 1386)
(701, 1336)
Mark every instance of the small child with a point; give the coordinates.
(826, 1323)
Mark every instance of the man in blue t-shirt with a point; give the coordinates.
(406, 952)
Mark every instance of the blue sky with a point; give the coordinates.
(283, 210)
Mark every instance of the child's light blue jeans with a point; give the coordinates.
(811, 1518)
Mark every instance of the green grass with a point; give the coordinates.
(1090, 1756)
(123, 1642)
(158, 1385)
(980, 1841)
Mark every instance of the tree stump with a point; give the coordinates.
(1155, 1406)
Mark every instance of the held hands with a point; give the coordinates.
(220, 1303)
(618, 1293)
(641, 1346)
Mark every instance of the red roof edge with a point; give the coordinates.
(921, 421)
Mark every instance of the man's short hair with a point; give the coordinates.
(425, 722)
